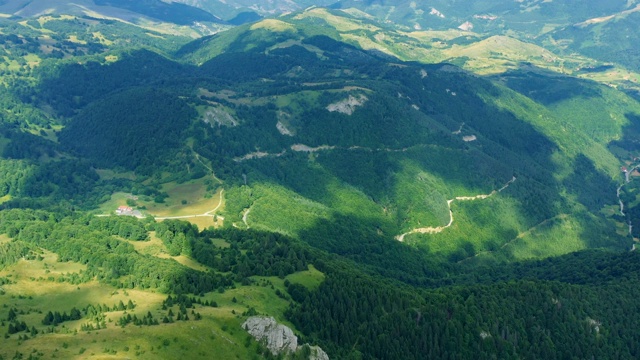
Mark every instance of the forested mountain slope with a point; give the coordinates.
(382, 207)
(283, 113)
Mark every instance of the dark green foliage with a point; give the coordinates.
(137, 129)
(88, 241)
(127, 227)
(16, 327)
(630, 140)
(13, 251)
(593, 188)
(16, 112)
(244, 17)
(109, 259)
(358, 239)
(549, 90)
(175, 235)
(12, 175)
(590, 267)
(254, 253)
(147, 320)
(55, 318)
(27, 146)
(354, 314)
(242, 66)
(69, 87)
(61, 180)
(62, 184)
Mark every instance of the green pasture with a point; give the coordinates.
(36, 289)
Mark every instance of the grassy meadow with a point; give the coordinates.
(34, 287)
(190, 202)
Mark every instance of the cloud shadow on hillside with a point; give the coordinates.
(547, 87)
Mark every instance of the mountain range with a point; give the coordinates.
(384, 182)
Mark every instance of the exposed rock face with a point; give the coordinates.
(219, 116)
(467, 26)
(318, 354)
(278, 338)
(347, 106)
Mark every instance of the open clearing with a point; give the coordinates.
(186, 202)
(155, 247)
(193, 196)
(311, 278)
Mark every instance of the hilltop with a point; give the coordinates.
(346, 176)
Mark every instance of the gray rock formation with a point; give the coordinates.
(318, 354)
(279, 338)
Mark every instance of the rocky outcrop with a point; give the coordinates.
(349, 105)
(278, 338)
(317, 353)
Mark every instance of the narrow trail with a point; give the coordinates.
(197, 156)
(245, 214)
(457, 132)
(219, 203)
(627, 173)
(309, 149)
(438, 229)
(620, 200)
(244, 217)
(520, 235)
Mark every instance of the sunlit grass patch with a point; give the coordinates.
(186, 199)
(558, 237)
(218, 333)
(153, 246)
(185, 261)
(5, 198)
(48, 266)
(311, 278)
(221, 243)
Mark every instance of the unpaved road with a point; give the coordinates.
(438, 229)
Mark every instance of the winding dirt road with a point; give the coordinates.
(309, 149)
(244, 217)
(438, 229)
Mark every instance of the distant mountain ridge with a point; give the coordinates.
(138, 12)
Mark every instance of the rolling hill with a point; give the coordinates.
(349, 177)
(169, 17)
(292, 129)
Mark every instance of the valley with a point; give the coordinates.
(387, 180)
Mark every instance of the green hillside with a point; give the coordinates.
(308, 120)
(599, 38)
(385, 192)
